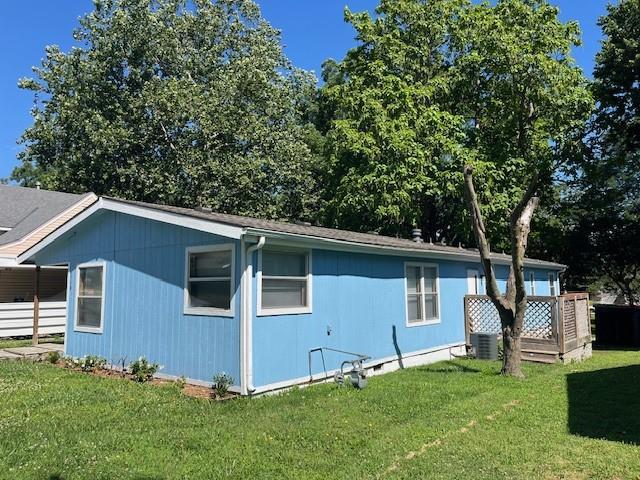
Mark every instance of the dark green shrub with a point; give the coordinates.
(142, 370)
(221, 384)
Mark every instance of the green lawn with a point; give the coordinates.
(452, 420)
(23, 342)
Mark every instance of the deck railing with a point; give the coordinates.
(554, 324)
(16, 319)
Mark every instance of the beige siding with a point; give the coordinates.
(17, 284)
(16, 248)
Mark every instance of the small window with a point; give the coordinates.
(423, 304)
(89, 296)
(209, 280)
(552, 285)
(532, 284)
(284, 282)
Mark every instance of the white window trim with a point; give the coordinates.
(553, 280)
(263, 312)
(532, 283)
(210, 311)
(432, 321)
(84, 328)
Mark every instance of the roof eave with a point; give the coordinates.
(358, 247)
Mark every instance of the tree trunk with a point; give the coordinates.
(513, 304)
(512, 345)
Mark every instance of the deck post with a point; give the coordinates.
(561, 324)
(36, 306)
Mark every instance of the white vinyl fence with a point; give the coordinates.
(16, 319)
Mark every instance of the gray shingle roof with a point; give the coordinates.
(260, 225)
(25, 209)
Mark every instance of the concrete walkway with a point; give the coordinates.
(31, 352)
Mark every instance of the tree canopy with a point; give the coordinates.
(174, 101)
(436, 84)
(604, 204)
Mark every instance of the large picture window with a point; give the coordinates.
(284, 282)
(209, 280)
(423, 303)
(89, 297)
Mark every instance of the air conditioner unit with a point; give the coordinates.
(485, 345)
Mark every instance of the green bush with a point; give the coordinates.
(142, 370)
(221, 384)
(53, 357)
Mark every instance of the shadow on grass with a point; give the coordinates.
(605, 404)
(449, 366)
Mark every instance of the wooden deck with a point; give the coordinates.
(555, 328)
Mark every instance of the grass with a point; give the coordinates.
(23, 342)
(450, 420)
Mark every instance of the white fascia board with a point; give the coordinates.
(138, 211)
(293, 239)
(49, 239)
(8, 262)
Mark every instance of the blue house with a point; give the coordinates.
(201, 293)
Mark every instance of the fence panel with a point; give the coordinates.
(16, 319)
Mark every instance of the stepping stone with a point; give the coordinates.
(52, 347)
(27, 351)
(4, 355)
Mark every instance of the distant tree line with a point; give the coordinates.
(194, 103)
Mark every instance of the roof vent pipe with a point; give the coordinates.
(416, 235)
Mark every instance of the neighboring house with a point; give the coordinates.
(27, 215)
(202, 293)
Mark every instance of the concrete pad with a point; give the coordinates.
(4, 355)
(52, 347)
(27, 351)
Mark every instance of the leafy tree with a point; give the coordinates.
(174, 101)
(606, 199)
(390, 128)
(528, 101)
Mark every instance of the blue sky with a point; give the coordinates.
(312, 31)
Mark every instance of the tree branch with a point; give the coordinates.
(479, 231)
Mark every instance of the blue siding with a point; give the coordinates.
(145, 269)
(359, 297)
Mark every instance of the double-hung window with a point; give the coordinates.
(423, 302)
(89, 297)
(284, 282)
(209, 280)
(552, 285)
(532, 284)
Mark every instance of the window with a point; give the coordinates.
(284, 282)
(209, 280)
(552, 285)
(423, 303)
(532, 284)
(89, 297)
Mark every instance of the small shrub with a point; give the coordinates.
(221, 384)
(142, 370)
(90, 363)
(181, 382)
(53, 357)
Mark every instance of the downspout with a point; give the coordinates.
(247, 315)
